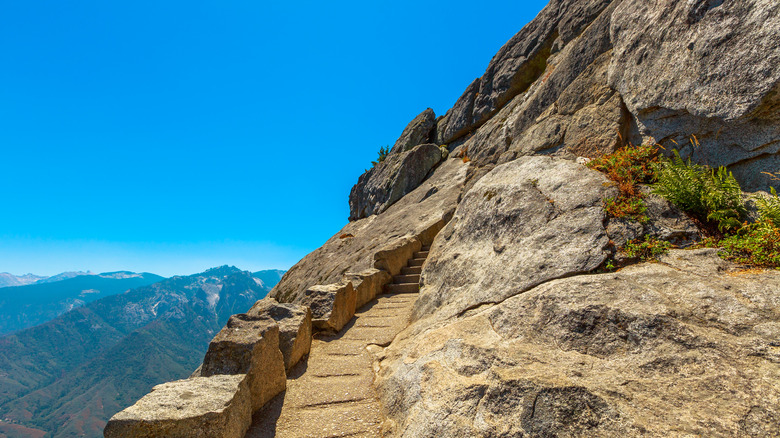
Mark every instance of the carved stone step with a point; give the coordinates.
(421, 255)
(416, 262)
(403, 288)
(413, 278)
(411, 270)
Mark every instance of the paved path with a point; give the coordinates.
(332, 393)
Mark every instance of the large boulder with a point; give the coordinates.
(390, 180)
(706, 68)
(686, 347)
(250, 346)
(421, 130)
(201, 407)
(295, 327)
(524, 223)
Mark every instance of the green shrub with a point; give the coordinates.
(756, 244)
(648, 249)
(708, 194)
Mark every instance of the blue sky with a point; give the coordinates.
(175, 136)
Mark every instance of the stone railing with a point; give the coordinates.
(247, 362)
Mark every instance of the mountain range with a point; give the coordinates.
(32, 304)
(67, 376)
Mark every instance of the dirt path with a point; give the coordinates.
(332, 393)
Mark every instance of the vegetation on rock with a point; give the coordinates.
(383, 151)
(712, 197)
(628, 167)
(648, 249)
(709, 195)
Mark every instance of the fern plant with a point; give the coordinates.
(769, 208)
(708, 194)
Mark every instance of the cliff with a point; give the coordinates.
(520, 328)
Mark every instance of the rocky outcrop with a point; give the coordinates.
(421, 130)
(701, 68)
(683, 347)
(207, 407)
(390, 180)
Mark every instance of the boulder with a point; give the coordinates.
(524, 223)
(390, 180)
(706, 68)
(419, 131)
(685, 347)
(332, 305)
(248, 346)
(201, 407)
(295, 327)
(367, 284)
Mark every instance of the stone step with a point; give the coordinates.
(425, 248)
(403, 288)
(421, 255)
(410, 278)
(411, 270)
(416, 262)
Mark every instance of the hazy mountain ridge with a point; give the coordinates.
(7, 279)
(26, 306)
(69, 375)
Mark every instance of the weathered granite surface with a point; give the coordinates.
(686, 347)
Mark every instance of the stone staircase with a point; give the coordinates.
(409, 279)
(332, 393)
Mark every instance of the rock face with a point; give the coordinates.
(421, 130)
(720, 81)
(295, 327)
(390, 180)
(201, 407)
(583, 78)
(248, 346)
(680, 348)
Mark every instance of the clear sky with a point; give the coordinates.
(173, 136)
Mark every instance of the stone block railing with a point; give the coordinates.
(247, 362)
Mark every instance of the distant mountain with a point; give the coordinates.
(269, 277)
(64, 276)
(26, 306)
(7, 279)
(68, 376)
